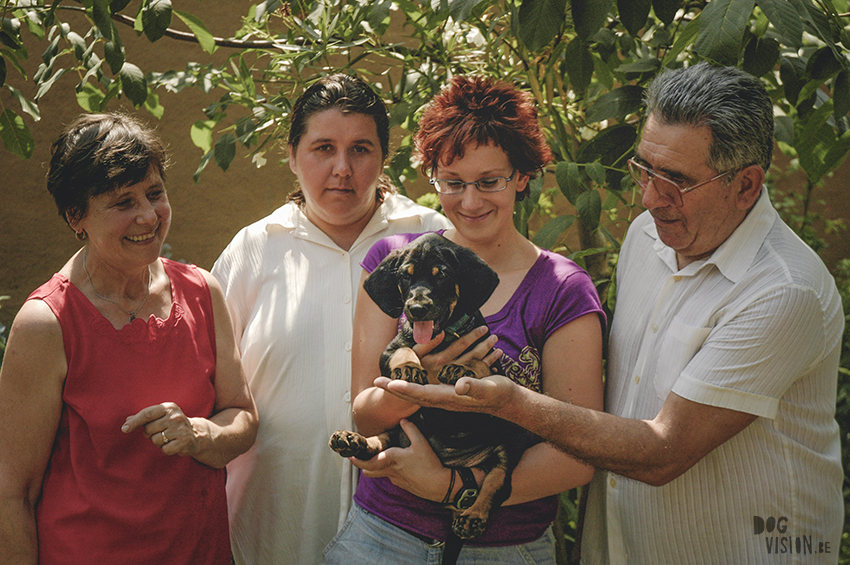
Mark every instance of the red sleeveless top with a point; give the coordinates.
(111, 497)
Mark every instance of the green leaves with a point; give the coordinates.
(225, 150)
(665, 10)
(156, 17)
(721, 30)
(633, 14)
(569, 180)
(610, 146)
(616, 104)
(578, 64)
(17, 137)
(202, 34)
(90, 98)
(114, 53)
(819, 148)
(589, 207)
(202, 134)
(547, 236)
(460, 9)
(589, 16)
(761, 55)
(576, 189)
(540, 21)
(133, 84)
(841, 93)
(29, 107)
(785, 19)
(102, 18)
(585, 62)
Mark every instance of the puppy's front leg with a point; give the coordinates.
(352, 444)
(404, 365)
(475, 368)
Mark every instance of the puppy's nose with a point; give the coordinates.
(417, 310)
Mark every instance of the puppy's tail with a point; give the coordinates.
(451, 549)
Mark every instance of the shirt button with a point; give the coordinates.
(654, 328)
(348, 346)
(347, 397)
(637, 379)
(346, 299)
(677, 278)
(613, 482)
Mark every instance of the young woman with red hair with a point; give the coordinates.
(480, 142)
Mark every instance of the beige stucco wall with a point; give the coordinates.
(36, 242)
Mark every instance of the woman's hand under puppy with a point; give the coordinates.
(416, 468)
(168, 428)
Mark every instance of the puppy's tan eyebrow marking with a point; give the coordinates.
(410, 269)
(435, 270)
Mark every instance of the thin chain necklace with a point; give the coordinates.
(131, 314)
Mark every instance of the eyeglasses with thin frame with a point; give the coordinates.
(670, 190)
(456, 186)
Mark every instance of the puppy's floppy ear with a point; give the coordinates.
(382, 284)
(476, 280)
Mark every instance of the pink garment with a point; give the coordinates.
(110, 497)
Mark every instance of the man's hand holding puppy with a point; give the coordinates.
(490, 395)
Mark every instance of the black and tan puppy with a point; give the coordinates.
(439, 287)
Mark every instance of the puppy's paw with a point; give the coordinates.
(410, 373)
(350, 444)
(450, 374)
(468, 526)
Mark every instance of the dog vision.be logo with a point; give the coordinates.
(777, 538)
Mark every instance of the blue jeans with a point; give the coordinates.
(369, 540)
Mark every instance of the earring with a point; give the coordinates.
(81, 235)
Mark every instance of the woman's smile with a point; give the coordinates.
(143, 237)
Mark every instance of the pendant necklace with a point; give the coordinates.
(131, 314)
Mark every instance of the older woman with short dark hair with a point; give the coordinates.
(122, 396)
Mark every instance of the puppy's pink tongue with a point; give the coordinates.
(422, 331)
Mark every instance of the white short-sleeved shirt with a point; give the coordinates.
(756, 328)
(291, 292)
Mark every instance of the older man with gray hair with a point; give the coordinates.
(718, 443)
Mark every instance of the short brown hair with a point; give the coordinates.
(99, 153)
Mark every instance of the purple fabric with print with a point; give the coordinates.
(555, 291)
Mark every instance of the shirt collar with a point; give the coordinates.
(736, 254)
(290, 217)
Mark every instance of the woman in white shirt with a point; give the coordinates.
(291, 280)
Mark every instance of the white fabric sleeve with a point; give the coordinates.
(749, 361)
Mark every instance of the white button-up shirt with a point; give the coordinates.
(291, 292)
(755, 328)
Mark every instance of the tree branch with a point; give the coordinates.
(190, 37)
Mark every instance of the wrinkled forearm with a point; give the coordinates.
(637, 449)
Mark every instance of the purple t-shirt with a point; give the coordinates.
(555, 291)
